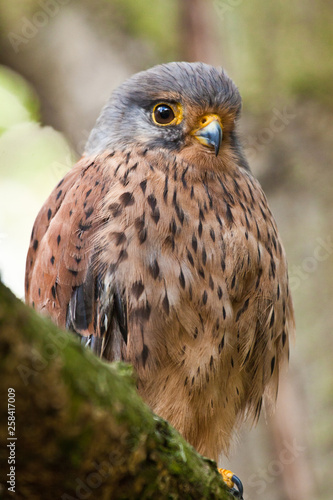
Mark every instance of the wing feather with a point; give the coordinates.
(62, 278)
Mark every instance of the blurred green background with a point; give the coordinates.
(60, 60)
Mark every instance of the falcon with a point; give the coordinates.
(158, 248)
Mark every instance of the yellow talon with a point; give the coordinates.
(231, 480)
(227, 477)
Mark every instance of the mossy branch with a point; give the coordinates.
(82, 430)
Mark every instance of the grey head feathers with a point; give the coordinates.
(126, 118)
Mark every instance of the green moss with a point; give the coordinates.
(76, 410)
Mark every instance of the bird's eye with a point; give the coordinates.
(163, 114)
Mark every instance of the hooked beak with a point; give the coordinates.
(209, 132)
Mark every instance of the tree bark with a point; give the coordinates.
(82, 431)
(198, 36)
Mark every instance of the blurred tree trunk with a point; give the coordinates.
(199, 42)
(81, 429)
(290, 444)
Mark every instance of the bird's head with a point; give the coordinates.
(176, 107)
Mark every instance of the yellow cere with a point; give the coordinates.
(206, 120)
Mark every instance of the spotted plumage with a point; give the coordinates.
(159, 248)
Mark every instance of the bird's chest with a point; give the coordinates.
(180, 254)
(205, 254)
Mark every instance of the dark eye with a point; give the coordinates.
(163, 114)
